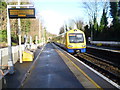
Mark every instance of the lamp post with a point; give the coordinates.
(41, 32)
(39, 29)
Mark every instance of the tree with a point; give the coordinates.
(25, 26)
(45, 34)
(103, 22)
(119, 11)
(114, 13)
(3, 28)
(87, 32)
(70, 27)
(92, 8)
(79, 24)
(104, 18)
(66, 28)
(61, 30)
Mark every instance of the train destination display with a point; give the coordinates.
(21, 12)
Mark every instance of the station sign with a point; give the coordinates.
(21, 12)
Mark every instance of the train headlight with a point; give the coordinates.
(83, 45)
(70, 46)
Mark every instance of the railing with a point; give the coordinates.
(112, 43)
(4, 68)
(4, 55)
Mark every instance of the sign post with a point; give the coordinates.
(20, 12)
(19, 35)
(10, 59)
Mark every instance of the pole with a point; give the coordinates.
(19, 36)
(0, 59)
(39, 30)
(36, 40)
(43, 36)
(10, 59)
(30, 42)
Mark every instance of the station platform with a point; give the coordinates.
(20, 71)
(51, 72)
(54, 68)
(112, 49)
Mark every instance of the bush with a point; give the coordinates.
(3, 35)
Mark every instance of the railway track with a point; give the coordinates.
(112, 57)
(106, 67)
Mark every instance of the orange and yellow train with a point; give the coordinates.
(73, 41)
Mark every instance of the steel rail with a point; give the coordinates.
(106, 73)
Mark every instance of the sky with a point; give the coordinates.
(55, 13)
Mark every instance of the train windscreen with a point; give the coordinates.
(76, 38)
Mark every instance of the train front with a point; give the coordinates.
(76, 42)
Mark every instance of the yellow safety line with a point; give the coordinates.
(81, 71)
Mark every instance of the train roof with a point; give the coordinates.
(72, 30)
(75, 30)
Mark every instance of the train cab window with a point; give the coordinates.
(76, 38)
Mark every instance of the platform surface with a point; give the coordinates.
(53, 69)
(50, 71)
(13, 81)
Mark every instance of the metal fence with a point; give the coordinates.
(4, 55)
(111, 43)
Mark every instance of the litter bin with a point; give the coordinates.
(27, 56)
